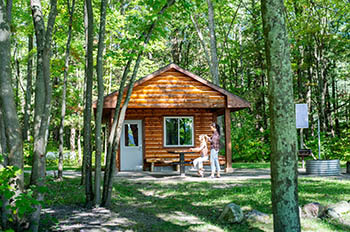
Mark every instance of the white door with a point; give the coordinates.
(131, 158)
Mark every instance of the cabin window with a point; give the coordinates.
(178, 131)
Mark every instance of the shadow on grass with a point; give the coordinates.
(191, 205)
(179, 206)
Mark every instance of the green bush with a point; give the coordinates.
(22, 204)
(331, 147)
(249, 144)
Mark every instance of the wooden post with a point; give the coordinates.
(228, 145)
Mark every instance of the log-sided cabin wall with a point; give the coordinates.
(153, 127)
(173, 91)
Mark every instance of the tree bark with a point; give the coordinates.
(72, 140)
(11, 137)
(88, 105)
(28, 94)
(43, 92)
(99, 110)
(79, 147)
(64, 91)
(213, 48)
(119, 115)
(201, 40)
(284, 191)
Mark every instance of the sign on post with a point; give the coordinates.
(301, 112)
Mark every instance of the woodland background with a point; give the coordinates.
(56, 45)
(319, 35)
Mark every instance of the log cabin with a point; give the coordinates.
(167, 111)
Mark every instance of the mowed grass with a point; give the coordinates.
(196, 206)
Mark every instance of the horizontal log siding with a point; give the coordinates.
(172, 89)
(153, 128)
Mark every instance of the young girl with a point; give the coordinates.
(203, 149)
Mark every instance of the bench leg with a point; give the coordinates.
(152, 167)
(302, 162)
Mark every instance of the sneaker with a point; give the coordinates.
(212, 177)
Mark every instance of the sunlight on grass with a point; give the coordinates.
(196, 206)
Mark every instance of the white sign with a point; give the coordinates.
(301, 112)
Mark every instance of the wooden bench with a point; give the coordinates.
(170, 161)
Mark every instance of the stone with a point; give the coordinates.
(257, 216)
(313, 210)
(232, 214)
(340, 207)
(333, 214)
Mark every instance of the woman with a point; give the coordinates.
(203, 149)
(214, 149)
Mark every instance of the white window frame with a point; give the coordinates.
(178, 142)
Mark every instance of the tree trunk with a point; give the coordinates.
(64, 91)
(213, 49)
(284, 191)
(201, 40)
(79, 147)
(11, 137)
(43, 96)
(118, 119)
(348, 167)
(98, 127)
(72, 140)
(28, 95)
(88, 104)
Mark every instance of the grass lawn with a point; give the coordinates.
(196, 206)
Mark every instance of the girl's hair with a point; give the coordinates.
(216, 126)
(202, 137)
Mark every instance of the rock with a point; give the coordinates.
(313, 210)
(333, 214)
(340, 207)
(257, 216)
(232, 214)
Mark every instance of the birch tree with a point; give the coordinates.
(64, 92)
(119, 115)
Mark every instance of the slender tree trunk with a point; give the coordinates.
(79, 147)
(64, 92)
(201, 40)
(98, 127)
(284, 191)
(118, 119)
(43, 96)
(72, 140)
(88, 105)
(213, 49)
(28, 94)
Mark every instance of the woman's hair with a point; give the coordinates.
(216, 126)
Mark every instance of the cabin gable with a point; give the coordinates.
(173, 89)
